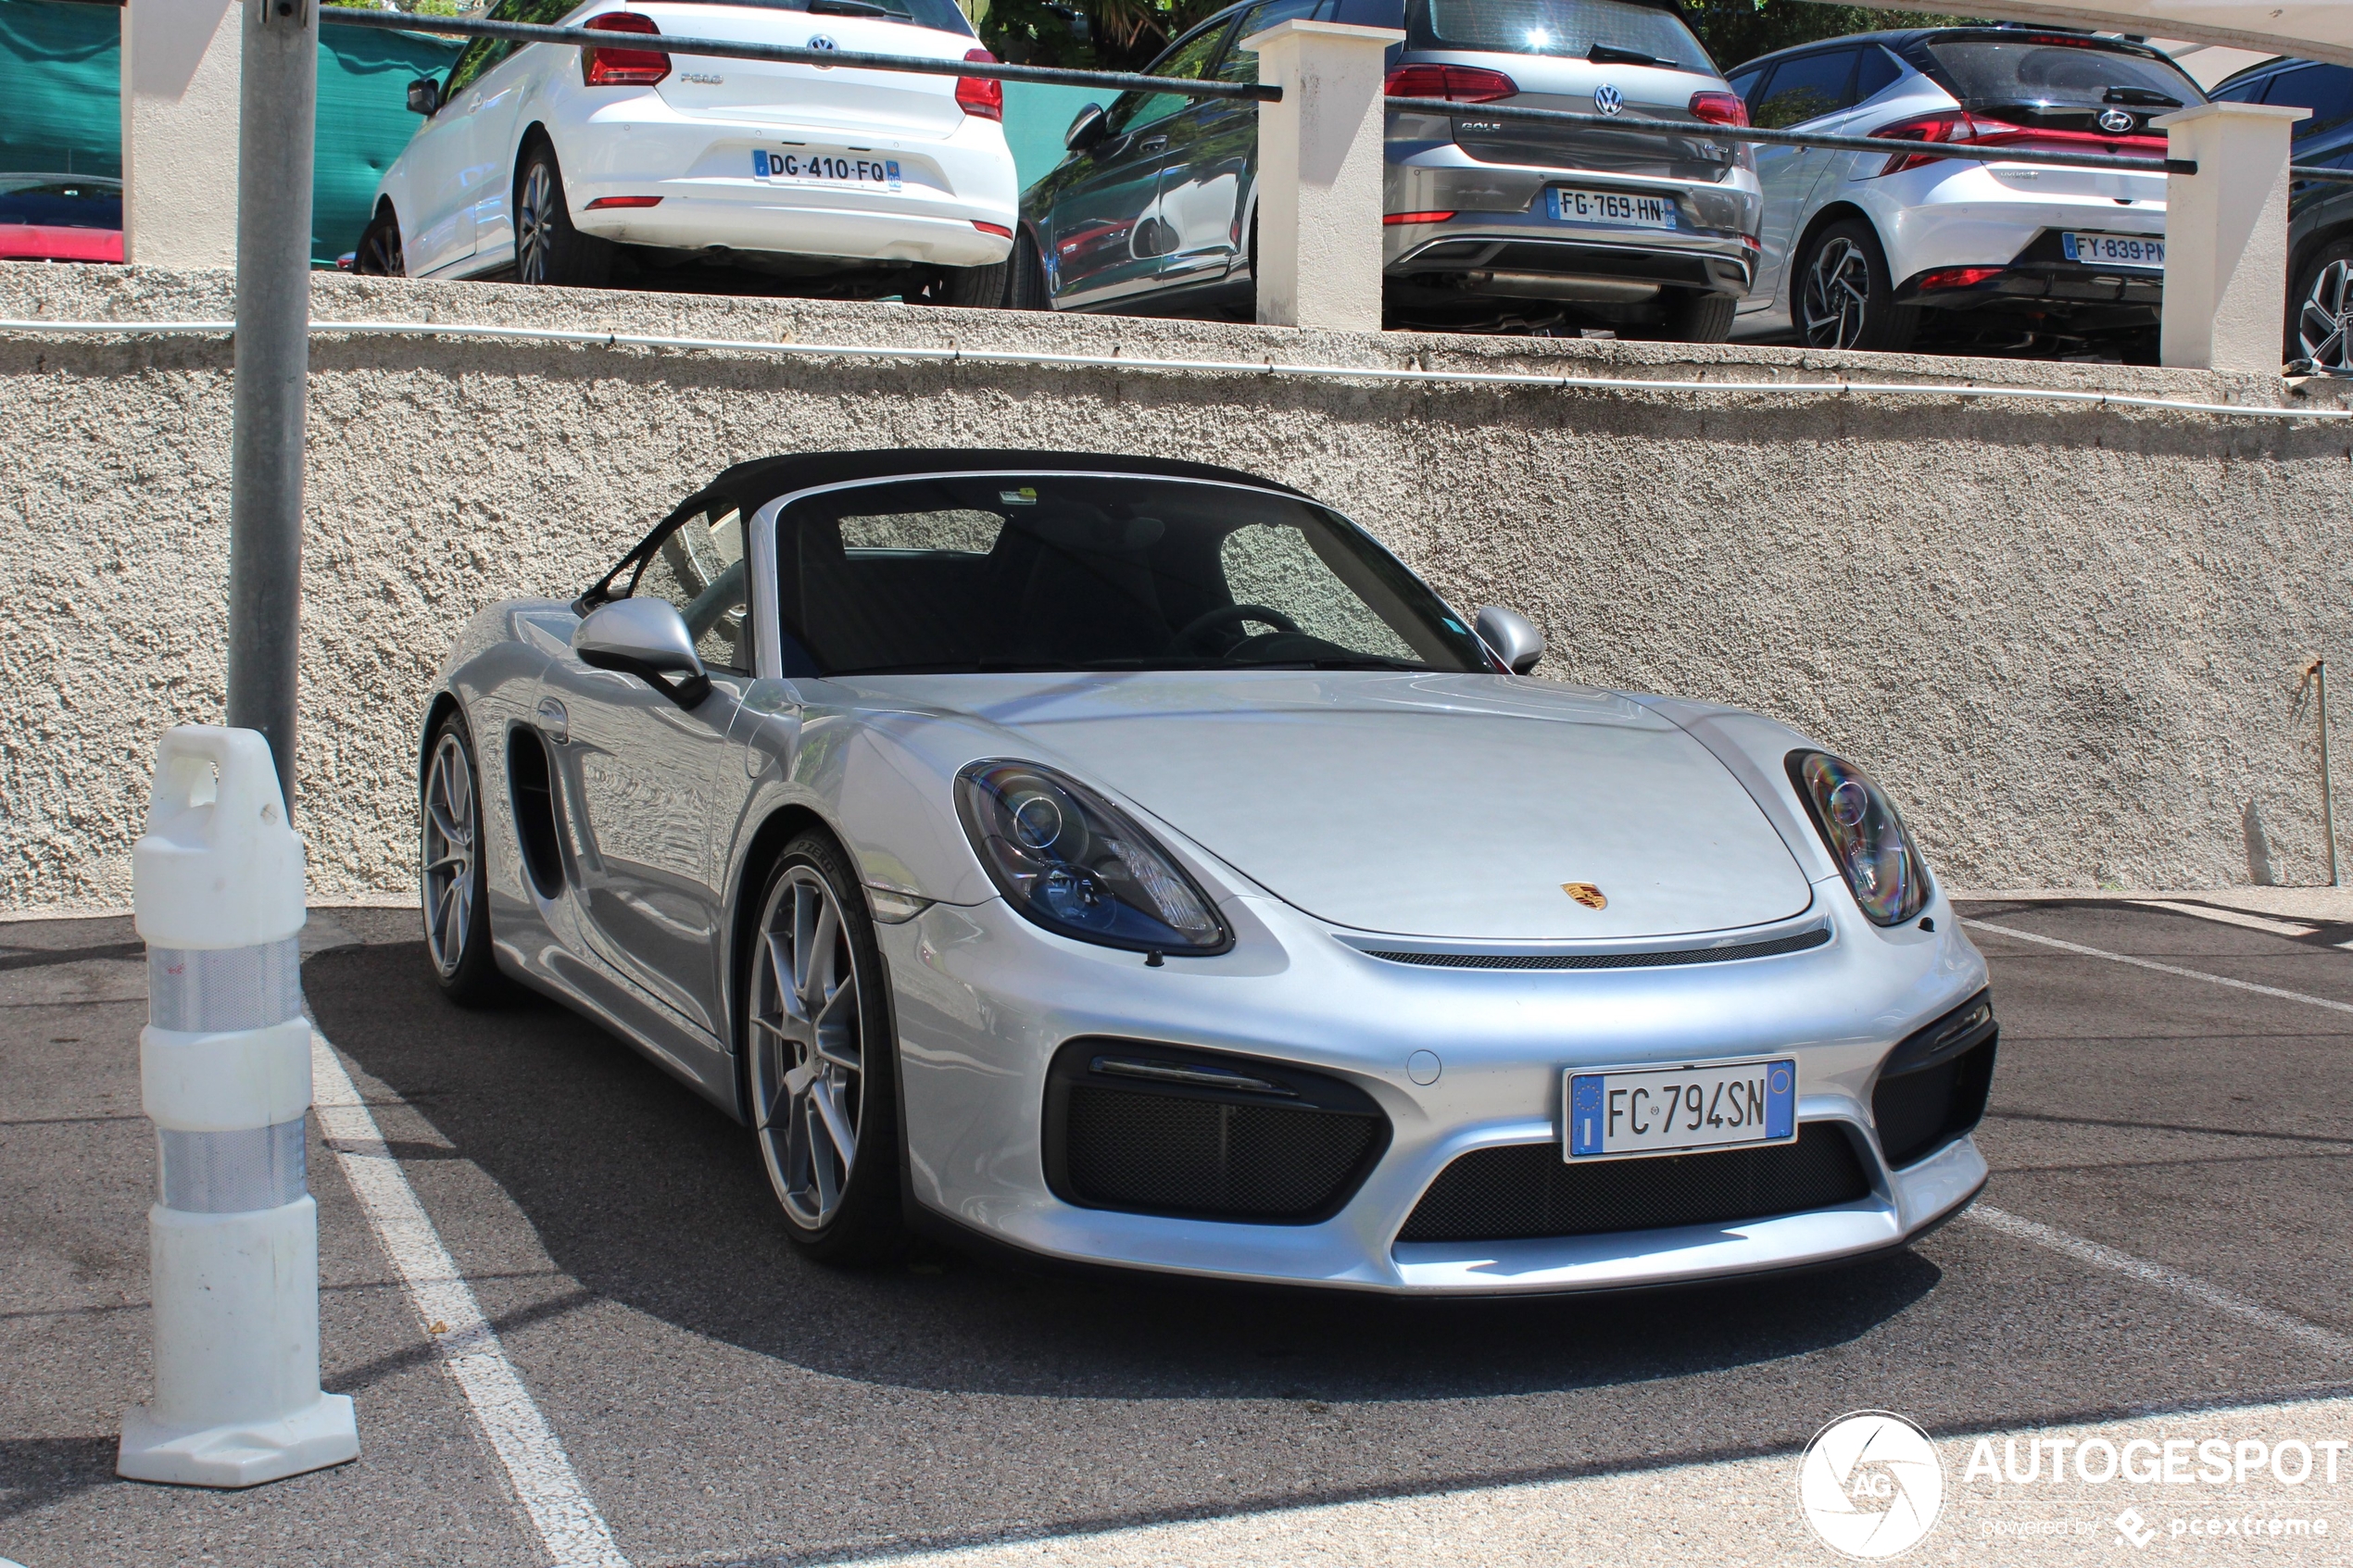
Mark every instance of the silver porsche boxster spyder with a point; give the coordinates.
(1131, 862)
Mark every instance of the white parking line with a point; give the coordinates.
(2160, 967)
(2214, 1296)
(576, 1534)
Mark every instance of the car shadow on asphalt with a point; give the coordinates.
(647, 1194)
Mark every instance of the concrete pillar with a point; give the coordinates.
(1319, 174)
(2226, 237)
(180, 84)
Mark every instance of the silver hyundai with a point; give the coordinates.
(1491, 224)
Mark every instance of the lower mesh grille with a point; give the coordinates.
(1130, 1149)
(1288, 1147)
(1920, 1112)
(1527, 1190)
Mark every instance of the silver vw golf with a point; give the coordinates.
(1130, 861)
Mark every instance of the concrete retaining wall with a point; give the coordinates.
(2066, 638)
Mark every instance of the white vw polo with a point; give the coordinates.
(554, 160)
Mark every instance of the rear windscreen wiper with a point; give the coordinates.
(847, 9)
(2147, 97)
(1611, 55)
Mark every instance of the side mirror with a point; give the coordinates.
(647, 638)
(1513, 637)
(1087, 129)
(424, 96)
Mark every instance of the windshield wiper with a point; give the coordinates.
(1611, 55)
(2147, 97)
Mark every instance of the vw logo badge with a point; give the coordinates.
(2115, 121)
(1608, 99)
(819, 41)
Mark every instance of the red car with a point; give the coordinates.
(60, 218)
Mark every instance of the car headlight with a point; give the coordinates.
(1077, 865)
(1865, 836)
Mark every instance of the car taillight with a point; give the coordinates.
(981, 95)
(1720, 108)
(1947, 127)
(1461, 85)
(1394, 218)
(623, 67)
(997, 229)
(1955, 125)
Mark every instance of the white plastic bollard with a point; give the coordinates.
(224, 1063)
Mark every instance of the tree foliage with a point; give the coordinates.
(1736, 30)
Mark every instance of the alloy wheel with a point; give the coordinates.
(448, 852)
(808, 1060)
(1837, 295)
(2325, 325)
(532, 218)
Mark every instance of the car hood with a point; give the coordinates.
(1439, 805)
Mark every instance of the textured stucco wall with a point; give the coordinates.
(2066, 638)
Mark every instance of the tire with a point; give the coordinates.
(1700, 318)
(1842, 297)
(2320, 308)
(379, 255)
(547, 248)
(975, 288)
(453, 879)
(819, 1061)
(1025, 287)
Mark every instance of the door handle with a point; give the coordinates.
(554, 720)
(1153, 145)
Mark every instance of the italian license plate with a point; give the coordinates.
(2114, 250)
(1620, 209)
(805, 166)
(1635, 1110)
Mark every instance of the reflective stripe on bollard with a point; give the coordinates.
(224, 1071)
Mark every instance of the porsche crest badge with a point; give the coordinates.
(1586, 894)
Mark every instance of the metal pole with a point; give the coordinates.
(276, 110)
(2328, 795)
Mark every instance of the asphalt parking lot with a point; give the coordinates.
(722, 1402)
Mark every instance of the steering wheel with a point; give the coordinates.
(1228, 615)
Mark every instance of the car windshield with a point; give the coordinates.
(1625, 32)
(1987, 71)
(944, 15)
(60, 201)
(1059, 571)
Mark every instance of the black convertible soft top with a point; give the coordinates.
(751, 485)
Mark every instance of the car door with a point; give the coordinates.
(1801, 92)
(438, 233)
(649, 782)
(1107, 234)
(1213, 159)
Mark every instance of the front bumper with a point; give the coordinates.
(703, 171)
(984, 999)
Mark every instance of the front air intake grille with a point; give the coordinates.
(1933, 1086)
(1524, 1191)
(1158, 1129)
(1777, 945)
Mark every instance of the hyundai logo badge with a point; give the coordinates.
(1608, 99)
(2115, 121)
